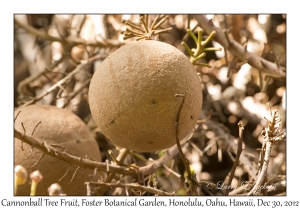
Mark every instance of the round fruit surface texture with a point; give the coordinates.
(61, 129)
(132, 96)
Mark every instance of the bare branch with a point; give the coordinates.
(65, 79)
(28, 80)
(238, 154)
(270, 135)
(217, 128)
(85, 163)
(169, 154)
(239, 51)
(121, 157)
(72, 41)
(73, 94)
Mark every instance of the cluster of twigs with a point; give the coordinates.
(146, 31)
(272, 135)
(199, 52)
(239, 51)
(59, 75)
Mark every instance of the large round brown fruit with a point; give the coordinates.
(132, 96)
(61, 128)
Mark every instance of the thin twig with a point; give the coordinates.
(227, 36)
(271, 135)
(138, 156)
(230, 66)
(144, 31)
(169, 155)
(191, 181)
(161, 21)
(185, 161)
(205, 119)
(276, 59)
(38, 160)
(171, 171)
(135, 193)
(265, 86)
(242, 190)
(88, 189)
(59, 146)
(24, 131)
(264, 169)
(35, 127)
(112, 155)
(44, 144)
(133, 25)
(74, 174)
(17, 116)
(210, 144)
(65, 173)
(30, 153)
(238, 154)
(120, 159)
(239, 65)
(196, 148)
(94, 174)
(226, 59)
(259, 72)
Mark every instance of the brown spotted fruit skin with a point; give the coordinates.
(58, 127)
(132, 96)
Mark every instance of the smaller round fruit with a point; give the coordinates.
(58, 127)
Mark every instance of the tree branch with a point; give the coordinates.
(239, 51)
(238, 154)
(72, 41)
(84, 163)
(217, 128)
(272, 135)
(65, 79)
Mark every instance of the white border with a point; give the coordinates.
(8, 8)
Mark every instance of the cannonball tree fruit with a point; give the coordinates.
(132, 96)
(60, 128)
